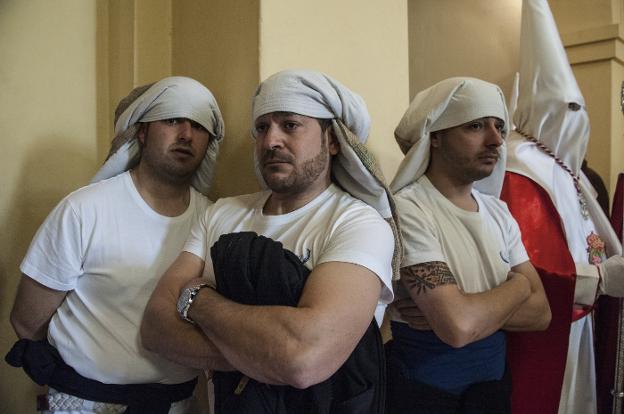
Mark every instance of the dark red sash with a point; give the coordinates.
(537, 359)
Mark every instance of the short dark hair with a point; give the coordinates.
(324, 123)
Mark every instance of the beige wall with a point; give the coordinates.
(592, 34)
(594, 79)
(47, 135)
(367, 51)
(152, 40)
(481, 38)
(616, 123)
(578, 15)
(216, 42)
(478, 38)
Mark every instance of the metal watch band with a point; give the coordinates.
(190, 295)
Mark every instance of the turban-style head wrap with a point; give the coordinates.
(449, 103)
(312, 94)
(173, 97)
(316, 95)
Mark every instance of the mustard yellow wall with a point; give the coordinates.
(578, 15)
(216, 42)
(47, 138)
(481, 38)
(616, 123)
(478, 38)
(594, 79)
(592, 34)
(363, 44)
(152, 40)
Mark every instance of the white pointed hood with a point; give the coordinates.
(550, 105)
(551, 109)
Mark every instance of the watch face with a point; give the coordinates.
(183, 301)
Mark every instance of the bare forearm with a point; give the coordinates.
(164, 333)
(34, 307)
(162, 330)
(466, 318)
(268, 343)
(459, 318)
(494, 308)
(299, 346)
(34, 332)
(533, 315)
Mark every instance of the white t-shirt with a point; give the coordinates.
(334, 227)
(480, 248)
(107, 248)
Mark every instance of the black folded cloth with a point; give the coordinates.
(255, 270)
(43, 364)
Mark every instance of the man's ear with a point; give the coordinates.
(142, 133)
(333, 144)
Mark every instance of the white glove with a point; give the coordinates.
(612, 276)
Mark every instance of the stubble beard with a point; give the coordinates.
(470, 174)
(301, 177)
(466, 171)
(476, 174)
(168, 170)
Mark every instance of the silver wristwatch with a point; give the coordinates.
(186, 298)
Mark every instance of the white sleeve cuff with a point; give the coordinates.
(587, 278)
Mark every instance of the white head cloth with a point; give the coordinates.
(447, 104)
(551, 109)
(316, 95)
(173, 97)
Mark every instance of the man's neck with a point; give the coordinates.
(284, 203)
(165, 198)
(454, 190)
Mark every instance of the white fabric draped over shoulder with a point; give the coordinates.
(172, 97)
(447, 104)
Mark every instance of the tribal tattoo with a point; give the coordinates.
(423, 276)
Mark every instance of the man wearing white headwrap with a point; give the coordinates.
(95, 260)
(464, 265)
(567, 235)
(321, 204)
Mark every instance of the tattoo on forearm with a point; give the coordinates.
(425, 276)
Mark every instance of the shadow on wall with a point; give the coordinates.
(235, 169)
(50, 171)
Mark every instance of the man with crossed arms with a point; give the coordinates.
(94, 262)
(464, 264)
(301, 119)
